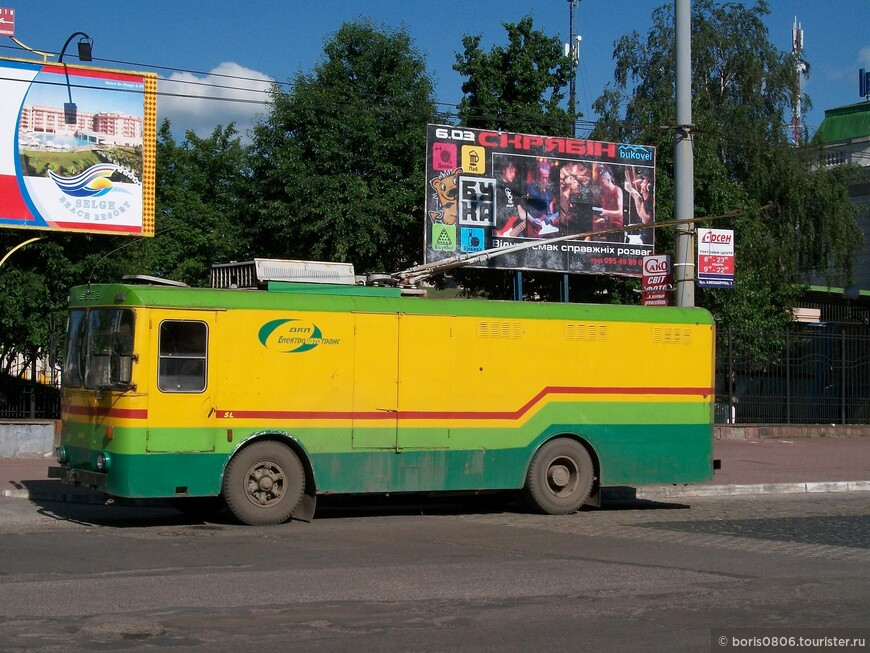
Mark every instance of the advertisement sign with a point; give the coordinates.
(716, 258)
(7, 22)
(657, 281)
(492, 189)
(77, 148)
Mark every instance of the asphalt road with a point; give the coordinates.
(433, 576)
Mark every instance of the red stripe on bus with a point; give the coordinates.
(121, 413)
(453, 415)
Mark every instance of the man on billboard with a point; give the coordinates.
(638, 185)
(610, 205)
(540, 202)
(576, 198)
(511, 216)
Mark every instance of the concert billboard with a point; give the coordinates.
(489, 189)
(77, 148)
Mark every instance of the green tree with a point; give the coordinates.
(516, 87)
(202, 195)
(743, 89)
(35, 282)
(338, 162)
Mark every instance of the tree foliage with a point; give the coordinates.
(743, 90)
(202, 196)
(519, 87)
(515, 87)
(34, 286)
(338, 162)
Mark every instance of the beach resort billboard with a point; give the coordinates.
(77, 148)
(489, 189)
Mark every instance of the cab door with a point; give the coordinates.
(427, 354)
(182, 404)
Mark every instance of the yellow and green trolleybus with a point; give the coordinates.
(269, 398)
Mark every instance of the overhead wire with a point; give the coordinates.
(445, 109)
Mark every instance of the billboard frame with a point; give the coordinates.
(490, 189)
(77, 148)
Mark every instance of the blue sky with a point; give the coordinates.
(245, 45)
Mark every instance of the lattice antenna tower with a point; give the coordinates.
(797, 48)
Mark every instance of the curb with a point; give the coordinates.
(61, 497)
(660, 492)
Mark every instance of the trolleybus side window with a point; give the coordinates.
(183, 350)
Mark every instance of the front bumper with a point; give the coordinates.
(79, 477)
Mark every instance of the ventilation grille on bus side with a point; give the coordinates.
(671, 335)
(586, 332)
(499, 329)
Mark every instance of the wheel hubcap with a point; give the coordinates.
(265, 483)
(562, 477)
(559, 476)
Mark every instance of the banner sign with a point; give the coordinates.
(77, 148)
(490, 189)
(716, 258)
(657, 281)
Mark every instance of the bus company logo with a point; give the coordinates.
(93, 182)
(292, 336)
(635, 153)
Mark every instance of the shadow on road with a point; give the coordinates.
(85, 506)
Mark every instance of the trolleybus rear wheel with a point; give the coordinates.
(560, 477)
(263, 484)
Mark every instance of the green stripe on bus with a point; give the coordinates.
(634, 454)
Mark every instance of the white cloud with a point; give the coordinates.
(864, 57)
(229, 93)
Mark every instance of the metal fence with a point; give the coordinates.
(812, 374)
(25, 399)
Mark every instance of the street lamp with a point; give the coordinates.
(85, 46)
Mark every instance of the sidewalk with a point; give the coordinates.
(781, 466)
(748, 467)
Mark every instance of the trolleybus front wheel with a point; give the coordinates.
(263, 484)
(560, 477)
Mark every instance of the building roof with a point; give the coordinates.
(845, 123)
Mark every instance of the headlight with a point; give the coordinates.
(60, 455)
(103, 462)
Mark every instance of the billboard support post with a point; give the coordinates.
(518, 286)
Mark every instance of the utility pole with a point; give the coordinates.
(572, 50)
(684, 171)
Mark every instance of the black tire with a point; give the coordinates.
(560, 477)
(263, 484)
